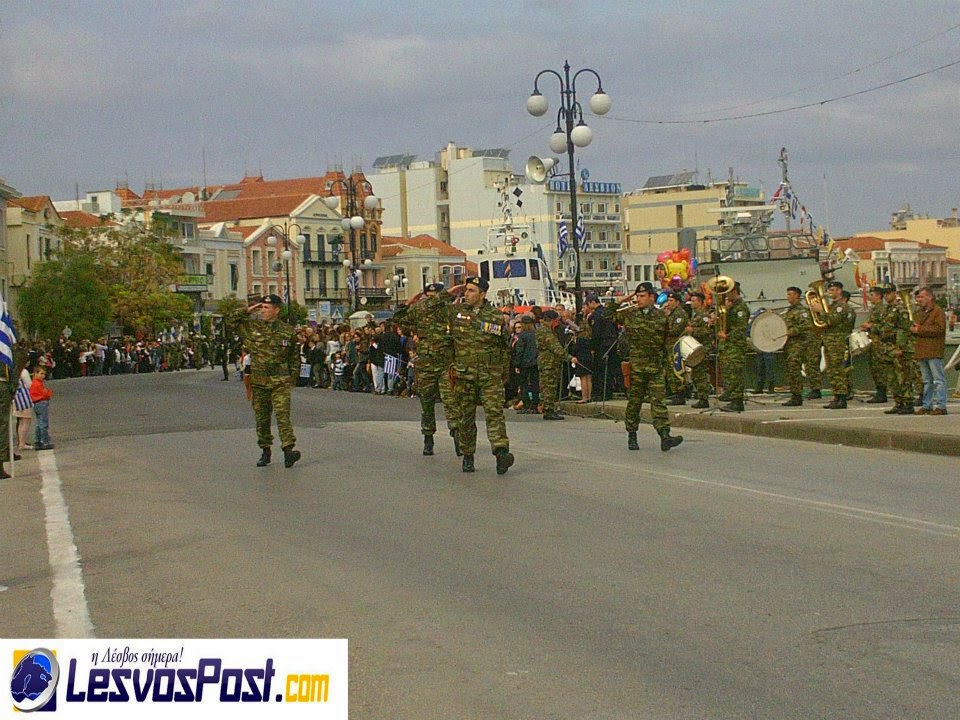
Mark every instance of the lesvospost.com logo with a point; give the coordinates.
(33, 685)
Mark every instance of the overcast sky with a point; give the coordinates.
(95, 92)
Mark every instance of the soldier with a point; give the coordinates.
(811, 362)
(480, 362)
(733, 349)
(550, 360)
(700, 327)
(434, 355)
(9, 378)
(799, 330)
(275, 368)
(645, 328)
(897, 337)
(676, 328)
(880, 358)
(836, 344)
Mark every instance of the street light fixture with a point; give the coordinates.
(572, 132)
(359, 201)
(286, 254)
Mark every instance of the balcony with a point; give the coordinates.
(373, 293)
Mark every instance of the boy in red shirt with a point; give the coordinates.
(41, 394)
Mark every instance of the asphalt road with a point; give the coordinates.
(734, 577)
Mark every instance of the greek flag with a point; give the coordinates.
(564, 238)
(21, 399)
(391, 365)
(8, 337)
(581, 235)
(352, 281)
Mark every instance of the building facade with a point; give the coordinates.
(31, 224)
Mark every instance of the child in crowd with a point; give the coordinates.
(41, 394)
(339, 367)
(412, 374)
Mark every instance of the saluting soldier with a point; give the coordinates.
(733, 349)
(274, 369)
(700, 327)
(550, 360)
(429, 320)
(880, 357)
(645, 329)
(480, 362)
(677, 320)
(799, 331)
(836, 345)
(898, 336)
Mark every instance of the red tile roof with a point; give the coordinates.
(251, 208)
(424, 242)
(33, 203)
(126, 195)
(80, 219)
(861, 243)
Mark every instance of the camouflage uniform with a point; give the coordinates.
(880, 355)
(733, 351)
(9, 378)
(799, 331)
(274, 369)
(836, 345)
(676, 328)
(812, 358)
(900, 381)
(703, 334)
(480, 360)
(550, 359)
(645, 330)
(428, 319)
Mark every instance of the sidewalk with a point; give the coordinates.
(861, 425)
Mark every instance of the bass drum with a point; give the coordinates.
(767, 331)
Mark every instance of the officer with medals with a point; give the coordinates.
(645, 329)
(275, 368)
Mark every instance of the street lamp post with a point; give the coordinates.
(359, 200)
(287, 254)
(571, 132)
(394, 285)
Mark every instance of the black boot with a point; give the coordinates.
(879, 396)
(794, 401)
(701, 404)
(667, 441)
(4, 475)
(814, 395)
(895, 410)
(918, 402)
(456, 443)
(676, 400)
(839, 402)
(467, 463)
(428, 444)
(733, 406)
(906, 409)
(553, 415)
(504, 460)
(264, 458)
(290, 456)
(632, 441)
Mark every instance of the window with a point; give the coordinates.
(271, 258)
(373, 242)
(308, 280)
(307, 250)
(602, 236)
(458, 273)
(559, 207)
(209, 268)
(679, 216)
(336, 280)
(256, 263)
(601, 207)
(584, 208)
(363, 243)
(604, 265)
(616, 207)
(234, 277)
(534, 270)
(257, 289)
(39, 249)
(589, 264)
(272, 289)
(485, 270)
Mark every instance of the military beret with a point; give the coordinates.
(890, 287)
(645, 287)
(879, 289)
(527, 319)
(478, 282)
(550, 315)
(676, 296)
(434, 287)
(835, 284)
(271, 300)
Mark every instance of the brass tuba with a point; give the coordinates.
(905, 299)
(720, 286)
(815, 293)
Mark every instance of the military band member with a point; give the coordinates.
(551, 357)
(645, 328)
(274, 370)
(840, 321)
(899, 340)
(481, 354)
(799, 332)
(677, 320)
(733, 349)
(700, 327)
(434, 356)
(880, 357)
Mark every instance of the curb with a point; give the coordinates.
(865, 437)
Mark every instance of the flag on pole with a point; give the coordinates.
(581, 235)
(564, 237)
(8, 337)
(352, 281)
(391, 365)
(21, 399)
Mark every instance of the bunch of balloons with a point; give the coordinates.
(676, 268)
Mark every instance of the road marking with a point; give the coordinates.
(69, 600)
(850, 511)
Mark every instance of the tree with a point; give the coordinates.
(65, 292)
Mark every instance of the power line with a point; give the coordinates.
(793, 108)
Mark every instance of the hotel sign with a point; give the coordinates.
(606, 188)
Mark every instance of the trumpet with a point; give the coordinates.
(815, 295)
(628, 305)
(905, 299)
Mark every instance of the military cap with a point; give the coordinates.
(676, 296)
(591, 297)
(835, 284)
(434, 287)
(889, 287)
(550, 315)
(271, 300)
(478, 282)
(879, 289)
(646, 287)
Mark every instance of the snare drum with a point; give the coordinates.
(767, 331)
(859, 342)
